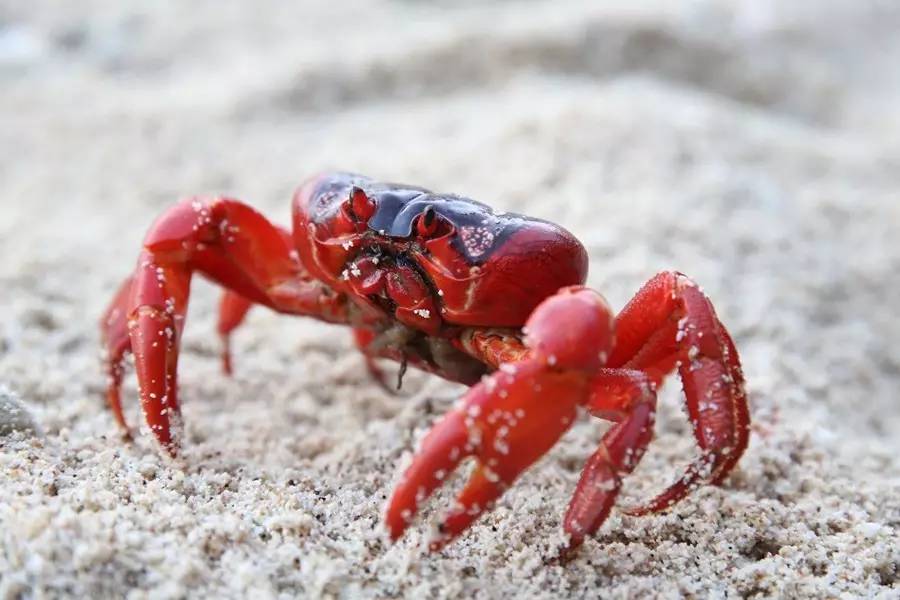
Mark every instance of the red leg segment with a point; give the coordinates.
(670, 324)
(233, 309)
(628, 398)
(231, 244)
(116, 342)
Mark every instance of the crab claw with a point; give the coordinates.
(512, 418)
(506, 424)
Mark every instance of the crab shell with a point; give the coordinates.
(480, 268)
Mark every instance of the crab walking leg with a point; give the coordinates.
(514, 416)
(233, 308)
(671, 324)
(231, 244)
(116, 342)
(735, 374)
(629, 398)
(363, 338)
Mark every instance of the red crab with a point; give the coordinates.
(442, 282)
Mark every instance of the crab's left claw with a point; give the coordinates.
(513, 417)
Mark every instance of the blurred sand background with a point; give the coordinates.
(753, 145)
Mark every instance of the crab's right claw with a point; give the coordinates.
(513, 417)
(506, 424)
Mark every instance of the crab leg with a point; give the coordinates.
(364, 338)
(116, 342)
(231, 244)
(233, 309)
(671, 324)
(629, 398)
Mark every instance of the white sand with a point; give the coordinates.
(751, 145)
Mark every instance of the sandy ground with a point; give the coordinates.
(752, 145)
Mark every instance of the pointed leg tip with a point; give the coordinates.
(639, 511)
(678, 491)
(226, 358)
(441, 538)
(565, 554)
(169, 445)
(122, 424)
(568, 550)
(398, 516)
(395, 532)
(114, 402)
(661, 503)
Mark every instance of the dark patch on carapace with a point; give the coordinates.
(478, 231)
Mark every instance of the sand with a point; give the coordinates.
(752, 145)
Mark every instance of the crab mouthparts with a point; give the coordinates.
(397, 285)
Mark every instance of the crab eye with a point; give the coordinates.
(361, 205)
(428, 222)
